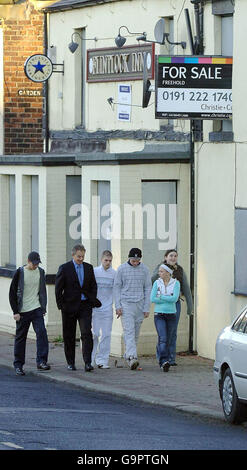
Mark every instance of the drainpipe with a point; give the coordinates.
(192, 228)
(198, 11)
(196, 130)
(45, 89)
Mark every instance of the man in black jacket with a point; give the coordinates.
(76, 291)
(28, 299)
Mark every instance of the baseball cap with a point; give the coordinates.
(34, 257)
(135, 253)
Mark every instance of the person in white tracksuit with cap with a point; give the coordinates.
(132, 288)
(103, 316)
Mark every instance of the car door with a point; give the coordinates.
(238, 354)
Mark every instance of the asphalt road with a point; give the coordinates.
(37, 414)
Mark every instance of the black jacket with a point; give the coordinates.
(17, 288)
(68, 290)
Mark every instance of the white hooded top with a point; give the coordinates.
(105, 280)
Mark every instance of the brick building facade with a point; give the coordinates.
(22, 26)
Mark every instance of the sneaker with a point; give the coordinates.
(43, 366)
(19, 371)
(102, 366)
(165, 366)
(133, 363)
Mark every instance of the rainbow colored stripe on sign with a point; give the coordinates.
(195, 60)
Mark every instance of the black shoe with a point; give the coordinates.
(88, 367)
(71, 367)
(165, 366)
(43, 366)
(173, 364)
(19, 371)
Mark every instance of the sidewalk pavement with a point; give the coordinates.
(188, 387)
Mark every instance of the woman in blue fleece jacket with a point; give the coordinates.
(164, 295)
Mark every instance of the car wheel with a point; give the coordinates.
(234, 411)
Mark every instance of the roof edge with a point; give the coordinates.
(60, 6)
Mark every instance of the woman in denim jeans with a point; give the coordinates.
(171, 260)
(164, 295)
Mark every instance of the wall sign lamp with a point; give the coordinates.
(159, 32)
(73, 45)
(121, 40)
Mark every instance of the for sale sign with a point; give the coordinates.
(189, 87)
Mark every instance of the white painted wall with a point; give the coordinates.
(221, 173)
(52, 234)
(125, 183)
(103, 21)
(215, 242)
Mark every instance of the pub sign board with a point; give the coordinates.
(191, 87)
(115, 64)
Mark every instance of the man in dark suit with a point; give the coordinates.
(76, 290)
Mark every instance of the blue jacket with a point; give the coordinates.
(165, 303)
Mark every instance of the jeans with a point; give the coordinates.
(174, 336)
(22, 326)
(165, 324)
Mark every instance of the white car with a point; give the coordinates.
(230, 369)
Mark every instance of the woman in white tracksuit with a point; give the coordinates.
(103, 316)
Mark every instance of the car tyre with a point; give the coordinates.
(233, 410)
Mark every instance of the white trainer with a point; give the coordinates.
(133, 363)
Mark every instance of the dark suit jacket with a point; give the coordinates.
(68, 290)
